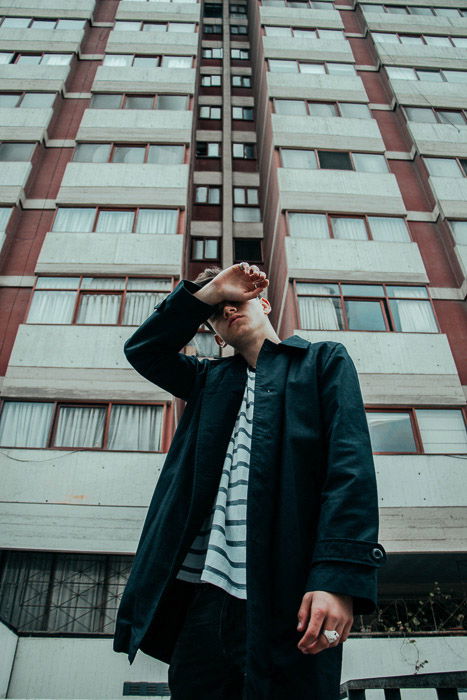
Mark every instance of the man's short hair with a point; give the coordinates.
(207, 275)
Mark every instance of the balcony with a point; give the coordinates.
(136, 126)
(439, 139)
(417, 56)
(398, 368)
(30, 123)
(136, 79)
(427, 93)
(307, 49)
(308, 86)
(55, 8)
(12, 181)
(292, 131)
(288, 16)
(451, 193)
(124, 184)
(179, 43)
(415, 24)
(56, 40)
(44, 78)
(159, 11)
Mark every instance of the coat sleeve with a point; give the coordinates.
(347, 554)
(154, 348)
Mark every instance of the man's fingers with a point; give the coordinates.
(314, 626)
(304, 612)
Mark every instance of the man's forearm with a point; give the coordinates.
(209, 294)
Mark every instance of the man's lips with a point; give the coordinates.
(234, 319)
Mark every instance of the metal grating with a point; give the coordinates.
(140, 688)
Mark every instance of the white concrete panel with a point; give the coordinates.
(451, 193)
(354, 260)
(124, 183)
(53, 8)
(307, 49)
(60, 40)
(395, 54)
(91, 478)
(8, 642)
(461, 253)
(398, 368)
(136, 125)
(27, 77)
(327, 132)
(415, 481)
(159, 11)
(439, 139)
(424, 93)
(74, 528)
(417, 24)
(308, 86)
(12, 180)
(111, 253)
(292, 16)
(31, 123)
(136, 79)
(339, 191)
(179, 43)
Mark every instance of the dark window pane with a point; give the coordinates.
(177, 102)
(334, 160)
(212, 9)
(365, 316)
(247, 249)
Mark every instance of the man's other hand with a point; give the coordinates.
(321, 611)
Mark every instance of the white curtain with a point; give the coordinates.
(278, 66)
(443, 167)
(157, 221)
(80, 427)
(350, 229)
(166, 155)
(99, 308)
(413, 315)
(290, 107)
(400, 73)
(298, 158)
(317, 312)
(442, 430)
(388, 228)
(25, 423)
(73, 219)
(370, 163)
(135, 427)
(56, 59)
(115, 221)
(246, 214)
(308, 225)
(51, 307)
(177, 61)
(140, 305)
(117, 60)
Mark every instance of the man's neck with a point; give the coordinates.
(251, 351)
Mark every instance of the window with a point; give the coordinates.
(102, 220)
(333, 160)
(246, 203)
(207, 194)
(121, 60)
(204, 249)
(212, 9)
(246, 151)
(247, 249)
(117, 153)
(438, 76)
(459, 229)
(203, 344)
(205, 149)
(289, 66)
(378, 228)
(16, 151)
(83, 591)
(212, 53)
(155, 26)
(212, 28)
(208, 112)
(365, 307)
(211, 80)
(243, 81)
(442, 431)
(238, 29)
(5, 213)
(29, 100)
(243, 113)
(240, 54)
(51, 59)
(330, 34)
(121, 101)
(238, 11)
(123, 301)
(420, 39)
(446, 167)
(131, 427)
(29, 22)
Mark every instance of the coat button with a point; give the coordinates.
(377, 553)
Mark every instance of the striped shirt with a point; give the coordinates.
(218, 552)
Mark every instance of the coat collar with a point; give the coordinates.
(293, 341)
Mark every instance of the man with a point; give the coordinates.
(259, 605)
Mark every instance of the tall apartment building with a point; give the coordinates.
(142, 141)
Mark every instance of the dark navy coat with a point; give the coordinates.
(312, 514)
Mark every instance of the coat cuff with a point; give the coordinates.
(184, 296)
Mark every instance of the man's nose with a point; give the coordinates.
(229, 310)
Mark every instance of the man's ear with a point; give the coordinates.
(266, 305)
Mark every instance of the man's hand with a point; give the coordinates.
(320, 611)
(239, 282)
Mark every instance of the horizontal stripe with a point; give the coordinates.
(226, 577)
(222, 553)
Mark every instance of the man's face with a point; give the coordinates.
(236, 321)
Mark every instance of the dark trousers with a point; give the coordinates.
(209, 655)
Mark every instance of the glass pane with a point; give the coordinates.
(341, 69)
(354, 110)
(126, 26)
(8, 100)
(413, 316)
(133, 102)
(103, 283)
(117, 60)
(15, 22)
(420, 114)
(308, 225)
(252, 196)
(57, 283)
(430, 75)
(412, 292)
(99, 308)
(25, 423)
(459, 229)
(176, 102)
(335, 160)
(181, 27)
(450, 117)
(323, 109)
(317, 68)
(297, 158)
(38, 99)
(92, 153)
(80, 427)
(74, 219)
(16, 151)
(278, 31)
(290, 107)
(370, 163)
(239, 195)
(319, 313)
(138, 306)
(43, 24)
(443, 167)
(363, 290)
(177, 61)
(71, 24)
(387, 228)
(33, 59)
(313, 288)
(400, 73)
(128, 154)
(246, 214)
(145, 62)
(390, 432)
(447, 12)
(214, 195)
(459, 41)
(421, 10)
(443, 431)
(160, 221)
(104, 101)
(210, 248)
(349, 228)
(6, 57)
(409, 39)
(365, 316)
(115, 221)
(385, 37)
(331, 34)
(160, 283)
(166, 155)
(135, 427)
(455, 76)
(155, 27)
(278, 66)
(52, 307)
(437, 40)
(56, 59)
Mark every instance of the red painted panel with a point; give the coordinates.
(206, 212)
(47, 175)
(436, 249)
(393, 130)
(362, 49)
(95, 41)
(245, 166)
(376, 88)
(82, 78)
(67, 118)
(105, 10)
(414, 187)
(24, 244)
(208, 164)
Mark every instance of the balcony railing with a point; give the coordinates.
(447, 685)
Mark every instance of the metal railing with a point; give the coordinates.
(447, 685)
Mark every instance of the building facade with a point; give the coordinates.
(142, 141)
